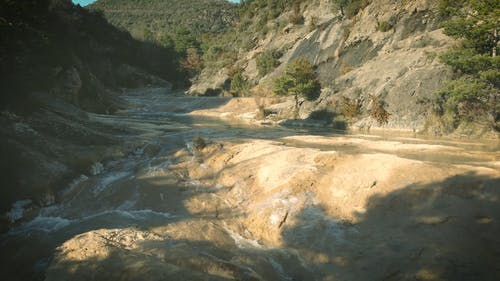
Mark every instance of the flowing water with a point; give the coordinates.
(118, 197)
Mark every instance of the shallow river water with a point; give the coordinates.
(118, 197)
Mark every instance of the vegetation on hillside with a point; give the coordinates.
(268, 61)
(350, 8)
(41, 39)
(184, 25)
(159, 19)
(258, 18)
(474, 92)
(298, 79)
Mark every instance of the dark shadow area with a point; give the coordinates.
(321, 119)
(445, 230)
(182, 260)
(55, 47)
(139, 204)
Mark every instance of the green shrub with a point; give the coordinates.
(193, 62)
(268, 61)
(299, 79)
(323, 114)
(468, 61)
(355, 6)
(239, 84)
(473, 94)
(350, 8)
(467, 98)
(384, 26)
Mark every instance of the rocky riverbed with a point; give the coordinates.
(206, 192)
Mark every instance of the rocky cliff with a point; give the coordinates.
(385, 54)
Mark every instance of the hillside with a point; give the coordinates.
(371, 57)
(294, 154)
(58, 63)
(157, 19)
(48, 42)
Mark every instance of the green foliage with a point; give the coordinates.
(350, 8)
(468, 61)
(355, 6)
(166, 17)
(193, 63)
(40, 39)
(178, 24)
(467, 98)
(184, 40)
(323, 114)
(298, 79)
(273, 9)
(384, 26)
(268, 61)
(474, 21)
(239, 84)
(474, 93)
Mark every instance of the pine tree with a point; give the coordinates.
(474, 93)
(299, 79)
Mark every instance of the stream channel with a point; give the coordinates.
(149, 190)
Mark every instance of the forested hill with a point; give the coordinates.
(159, 19)
(55, 47)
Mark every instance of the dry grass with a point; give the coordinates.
(346, 69)
(350, 108)
(378, 111)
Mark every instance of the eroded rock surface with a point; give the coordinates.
(307, 208)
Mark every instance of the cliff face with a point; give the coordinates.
(388, 51)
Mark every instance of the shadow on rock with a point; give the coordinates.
(445, 230)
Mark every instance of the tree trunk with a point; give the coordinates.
(495, 43)
(296, 106)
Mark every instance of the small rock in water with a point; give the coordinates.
(96, 168)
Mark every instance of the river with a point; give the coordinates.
(266, 203)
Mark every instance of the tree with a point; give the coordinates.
(475, 21)
(350, 8)
(239, 82)
(475, 90)
(341, 4)
(267, 62)
(298, 79)
(184, 40)
(193, 62)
